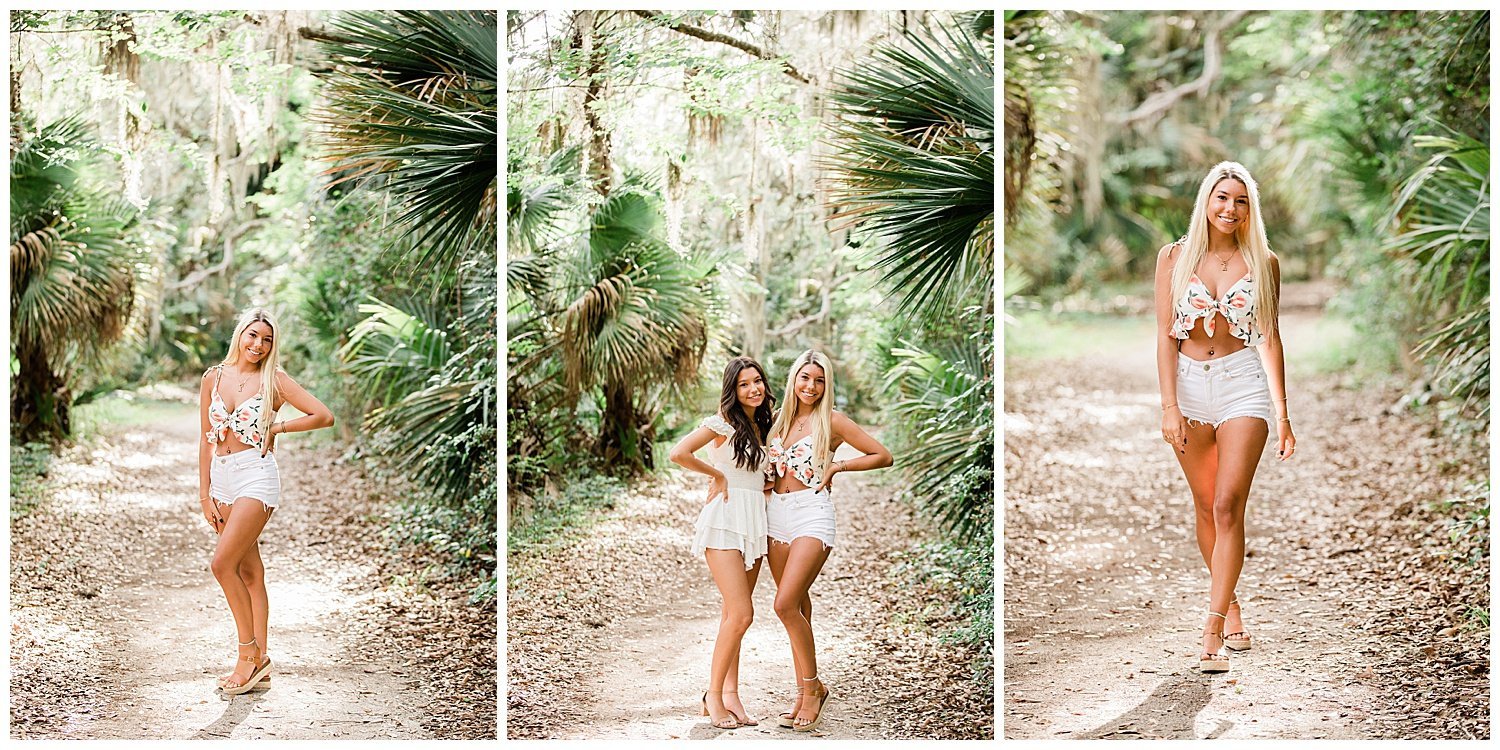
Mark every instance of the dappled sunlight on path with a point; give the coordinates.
(119, 630)
(1105, 587)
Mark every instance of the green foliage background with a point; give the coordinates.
(337, 168)
(674, 202)
(1367, 131)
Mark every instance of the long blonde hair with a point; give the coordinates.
(268, 364)
(1250, 237)
(822, 423)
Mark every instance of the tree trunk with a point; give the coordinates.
(588, 23)
(40, 405)
(754, 313)
(622, 443)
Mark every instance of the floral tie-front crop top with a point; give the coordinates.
(244, 422)
(1237, 305)
(797, 460)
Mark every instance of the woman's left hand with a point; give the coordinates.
(827, 483)
(1286, 442)
(270, 442)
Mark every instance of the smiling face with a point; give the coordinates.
(809, 385)
(1228, 206)
(750, 388)
(257, 342)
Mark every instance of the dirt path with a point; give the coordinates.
(1105, 589)
(610, 634)
(118, 628)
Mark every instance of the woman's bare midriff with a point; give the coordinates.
(1198, 344)
(232, 443)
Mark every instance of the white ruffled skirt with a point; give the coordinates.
(737, 523)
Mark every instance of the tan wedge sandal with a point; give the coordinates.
(1238, 640)
(1217, 661)
(262, 668)
(822, 707)
(265, 682)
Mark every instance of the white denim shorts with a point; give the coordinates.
(1218, 390)
(798, 514)
(245, 474)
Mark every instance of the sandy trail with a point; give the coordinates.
(610, 635)
(119, 628)
(1105, 588)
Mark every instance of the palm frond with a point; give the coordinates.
(437, 410)
(413, 96)
(943, 399)
(915, 164)
(1443, 247)
(396, 351)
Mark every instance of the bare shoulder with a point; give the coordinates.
(1166, 256)
(283, 379)
(841, 422)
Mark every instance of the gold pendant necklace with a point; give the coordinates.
(1224, 261)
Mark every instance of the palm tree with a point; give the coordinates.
(412, 109)
(915, 162)
(413, 96)
(72, 275)
(632, 320)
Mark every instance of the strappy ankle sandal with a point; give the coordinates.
(822, 708)
(262, 668)
(265, 682)
(1218, 661)
(226, 677)
(745, 722)
(1238, 640)
(788, 719)
(733, 723)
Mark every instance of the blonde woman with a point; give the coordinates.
(799, 517)
(239, 483)
(1216, 301)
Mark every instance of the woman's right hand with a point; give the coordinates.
(211, 514)
(1174, 429)
(719, 485)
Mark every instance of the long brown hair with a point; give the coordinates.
(749, 438)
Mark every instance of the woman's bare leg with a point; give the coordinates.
(243, 523)
(732, 679)
(803, 563)
(776, 555)
(253, 573)
(728, 570)
(1200, 464)
(1241, 442)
